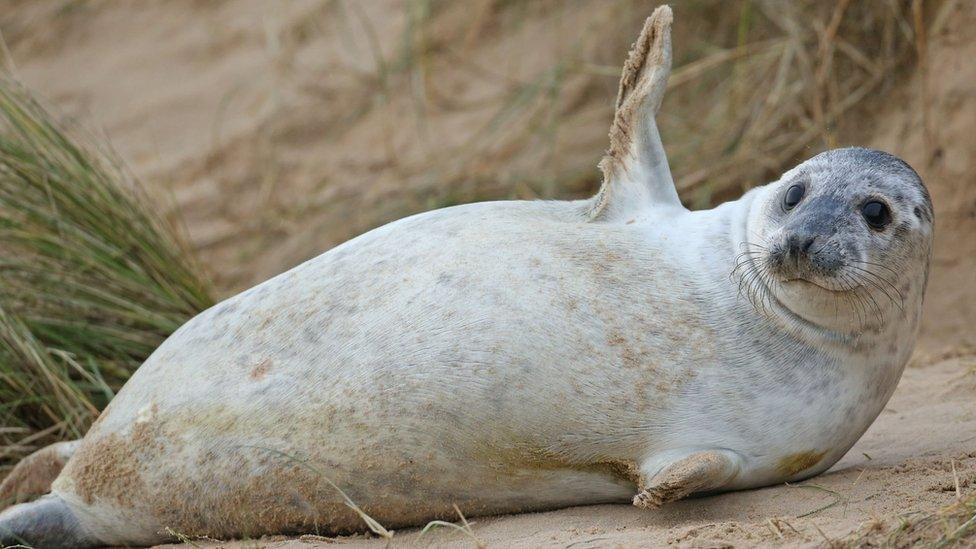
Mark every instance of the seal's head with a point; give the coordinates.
(843, 240)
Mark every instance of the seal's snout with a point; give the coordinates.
(815, 249)
(804, 254)
(807, 246)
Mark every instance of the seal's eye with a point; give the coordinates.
(793, 196)
(876, 214)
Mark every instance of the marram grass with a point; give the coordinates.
(92, 277)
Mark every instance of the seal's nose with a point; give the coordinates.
(798, 243)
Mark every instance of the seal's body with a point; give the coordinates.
(514, 356)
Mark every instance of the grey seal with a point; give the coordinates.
(517, 356)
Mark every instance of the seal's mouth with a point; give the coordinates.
(840, 289)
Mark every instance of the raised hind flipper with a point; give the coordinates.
(697, 472)
(635, 169)
(32, 477)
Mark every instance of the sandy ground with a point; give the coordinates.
(242, 112)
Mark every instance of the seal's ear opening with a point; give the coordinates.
(635, 169)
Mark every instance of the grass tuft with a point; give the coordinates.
(92, 277)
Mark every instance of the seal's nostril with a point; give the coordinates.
(808, 243)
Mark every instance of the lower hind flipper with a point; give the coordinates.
(32, 477)
(46, 523)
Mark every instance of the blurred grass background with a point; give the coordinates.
(297, 126)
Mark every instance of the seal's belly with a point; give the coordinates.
(224, 476)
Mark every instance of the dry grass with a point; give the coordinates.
(779, 93)
(951, 526)
(757, 86)
(463, 527)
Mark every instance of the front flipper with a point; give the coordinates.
(635, 168)
(698, 472)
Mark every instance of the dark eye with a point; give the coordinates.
(876, 214)
(793, 196)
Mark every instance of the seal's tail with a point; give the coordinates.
(45, 523)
